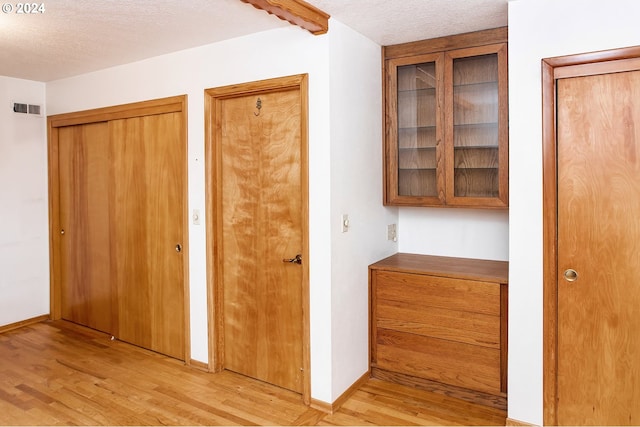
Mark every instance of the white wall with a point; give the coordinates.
(271, 54)
(541, 29)
(356, 190)
(24, 233)
(456, 232)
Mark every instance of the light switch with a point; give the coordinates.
(345, 223)
(196, 217)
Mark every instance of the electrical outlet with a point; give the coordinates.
(392, 232)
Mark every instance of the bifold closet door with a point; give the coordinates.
(85, 243)
(148, 210)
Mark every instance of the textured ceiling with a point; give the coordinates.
(388, 22)
(73, 37)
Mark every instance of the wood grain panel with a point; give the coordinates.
(452, 294)
(216, 118)
(174, 104)
(476, 158)
(476, 182)
(471, 328)
(457, 41)
(475, 69)
(148, 166)
(460, 268)
(599, 237)
(125, 195)
(262, 225)
(418, 182)
(449, 362)
(417, 159)
(296, 12)
(417, 138)
(85, 226)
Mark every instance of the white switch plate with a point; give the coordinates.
(392, 233)
(196, 217)
(345, 223)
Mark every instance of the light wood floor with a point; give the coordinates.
(58, 373)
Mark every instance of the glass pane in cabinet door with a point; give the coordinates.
(475, 126)
(417, 130)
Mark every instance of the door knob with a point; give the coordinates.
(178, 247)
(296, 260)
(570, 275)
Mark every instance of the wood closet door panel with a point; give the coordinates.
(148, 210)
(598, 342)
(85, 249)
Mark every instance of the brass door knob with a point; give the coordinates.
(570, 275)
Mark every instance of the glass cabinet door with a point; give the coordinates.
(418, 118)
(475, 155)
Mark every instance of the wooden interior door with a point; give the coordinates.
(85, 249)
(148, 210)
(259, 188)
(598, 245)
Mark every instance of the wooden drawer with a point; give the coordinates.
(432, 291)
(444, 361)
(453, 325)
(445, 308)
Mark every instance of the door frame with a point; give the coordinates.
(213, 174)
(555, 68)
(174, 104)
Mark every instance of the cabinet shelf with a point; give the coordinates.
(476, 126)
(475, 147)
(446, 118)
(405, 149)
(487, 86)
(413, 128)
(428, 90)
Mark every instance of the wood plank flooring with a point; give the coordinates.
(58, 373)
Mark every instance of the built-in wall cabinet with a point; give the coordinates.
(440, 324)
(446, 114)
